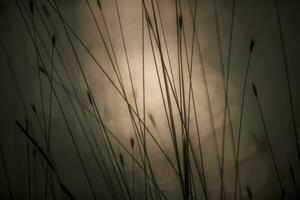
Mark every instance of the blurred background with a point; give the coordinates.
(149, 99)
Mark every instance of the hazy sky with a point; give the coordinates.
(255, 20)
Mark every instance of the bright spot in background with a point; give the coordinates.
(114, 109)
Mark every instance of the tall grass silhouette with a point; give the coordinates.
(158, 126)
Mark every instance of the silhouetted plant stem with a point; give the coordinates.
(137, 132)
(217, 24)
(287, 76)
(132, 165)
(6, 173)
(241, 118)
(191, 92)
(249, 192)
(50, 113)
(106, 179)
(144, 101)
(268, 141)
(226, 103)
(113, 84)
(294, 181)
(21, 99)
(185, 119)
(169, 116)
(39, 149)
(59, 104)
